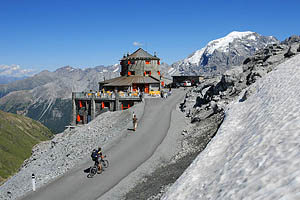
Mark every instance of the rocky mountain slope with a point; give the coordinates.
(254, 154)
(221, 54)
(18, 134)
(46, 97)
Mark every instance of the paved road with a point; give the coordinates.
(124, 158)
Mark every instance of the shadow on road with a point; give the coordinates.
(87, 170)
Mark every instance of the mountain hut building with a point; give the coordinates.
(140, 71)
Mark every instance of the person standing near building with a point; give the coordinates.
(134, 120)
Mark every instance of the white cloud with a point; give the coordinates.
(15, 71)
(138, 44)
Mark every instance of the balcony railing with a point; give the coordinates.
(106, 95)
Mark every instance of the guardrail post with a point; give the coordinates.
(33, 182)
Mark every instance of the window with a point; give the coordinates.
(131, 62)
(158, 62)
(132, 72)
(147, 62)
(147, 73)
(158, 72)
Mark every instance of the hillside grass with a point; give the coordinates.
(18, 134)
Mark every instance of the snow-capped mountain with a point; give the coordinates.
(219, 55)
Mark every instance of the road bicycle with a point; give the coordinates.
(94, 169)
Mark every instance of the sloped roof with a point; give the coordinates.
(129, 80)
(140, 54)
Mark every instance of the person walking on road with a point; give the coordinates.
(134, 120)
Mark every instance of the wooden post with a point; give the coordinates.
(74, 109)
(93, 107)
(117, 101)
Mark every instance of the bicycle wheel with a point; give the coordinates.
(90, 175)
(93, 171)
(105, 163)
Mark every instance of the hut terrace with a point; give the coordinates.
(87, 105)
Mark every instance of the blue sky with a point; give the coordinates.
(48, 34)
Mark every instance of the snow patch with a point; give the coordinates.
(116, 69)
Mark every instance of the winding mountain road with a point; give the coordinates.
(124, 158)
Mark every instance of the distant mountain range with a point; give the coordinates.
(46, 96)
(221, 54)
(18, 134)
(10, 79)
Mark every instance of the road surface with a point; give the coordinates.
(124, 157)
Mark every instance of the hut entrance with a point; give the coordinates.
(146, 88)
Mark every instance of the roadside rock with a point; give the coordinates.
(289, 53)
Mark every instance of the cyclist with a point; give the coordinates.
(97, 156)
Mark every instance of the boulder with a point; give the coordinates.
(229, 79)
(200, 101)
(289, 53)
(247, 60)
(252, 77)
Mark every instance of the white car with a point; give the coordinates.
(187, 83)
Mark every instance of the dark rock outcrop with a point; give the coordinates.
(289, 53)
